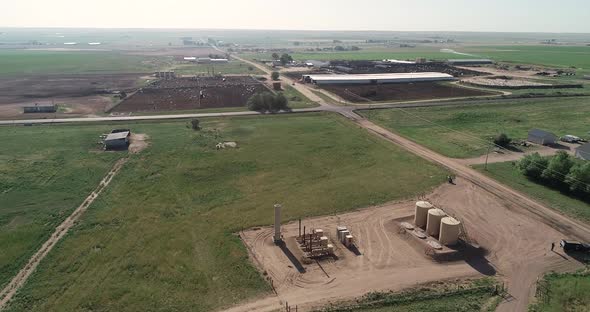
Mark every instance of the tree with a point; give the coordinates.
(267, 101)
(558, 168)
(502, 140)
(250, 68)
(355, 48)
(195, 125)
(274, 75)
(339, 48)
(275, 56)
(578, 179)
(533, 165)
(286, 58)
(279, 103)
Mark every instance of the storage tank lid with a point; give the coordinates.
(323, 238)
(450, 221)
(424, 204)
(436, 212)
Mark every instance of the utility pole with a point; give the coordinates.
(487, 155)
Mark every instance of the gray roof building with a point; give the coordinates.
(541, 137)
(117, 140)
(583, 151)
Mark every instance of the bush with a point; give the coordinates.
(578, 179)
(267, 101)
(274, 75)
(557, 169)
(502, 140)
(195, 125)
(533, 165)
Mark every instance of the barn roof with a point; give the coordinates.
(541, 133)
(117, 136)
(584, 151)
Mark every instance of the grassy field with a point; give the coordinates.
(233, 67)
(20, 62)
(477, 296)
(567, 292)
(161, 237)
(462, 131)
(45, 173)
(558, 56)
(508, 174)
(296, 99)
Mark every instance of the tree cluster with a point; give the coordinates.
(266, 101)
(560, 172)
(502, 140)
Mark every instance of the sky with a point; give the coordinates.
(394, 15)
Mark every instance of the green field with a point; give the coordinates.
(296, 99)
(21, 62)
(233, 67)
(463, 131)
(564, 292)
(45, 173)
(557, 56)
(478, 295)
(508, 174)
(161, 237)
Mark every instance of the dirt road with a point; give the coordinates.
(19, 280)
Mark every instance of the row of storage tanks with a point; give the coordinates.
(344, 236)
(437, 223)
(324, 241)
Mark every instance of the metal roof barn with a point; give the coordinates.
(377, 78)
(541, 137)
(583, 151)
(117, 140)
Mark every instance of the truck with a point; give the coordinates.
(569, 246)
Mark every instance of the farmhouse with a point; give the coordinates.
(468, 62)
(365, 79)
(583, 151)
(117, 140)
(541, 137)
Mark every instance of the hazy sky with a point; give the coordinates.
(459, 15)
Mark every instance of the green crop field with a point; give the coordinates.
(463, 131)
(21, 62)
(508, 174)
(558, 56)
(565, 292)
(162, 235)
(233, 67)
(45, 173)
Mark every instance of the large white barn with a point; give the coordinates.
(324, 79)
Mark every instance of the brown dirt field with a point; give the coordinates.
(401, 92)
(518, 245)
(24, 89)
(138, 142)
(88, 106)
(183, 93)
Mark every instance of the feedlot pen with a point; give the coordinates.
(192, 93)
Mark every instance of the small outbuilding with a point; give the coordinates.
(583, 151)
(541, 137)
(117, 140)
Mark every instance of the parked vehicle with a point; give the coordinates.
(570, 138)
(568, 246)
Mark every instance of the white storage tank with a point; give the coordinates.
(421, 213)
(343, 235)
(323, 241)
(450, 228)
(318, 233)
(348, 240)
(433, 221)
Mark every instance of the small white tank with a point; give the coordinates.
(421, 213)
(318, 233)
(433, 221)
(323, 241)
(450, 228)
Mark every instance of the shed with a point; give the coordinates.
(583, 151)
(541, 137)
(117, 140)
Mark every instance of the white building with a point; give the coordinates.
(376, 78)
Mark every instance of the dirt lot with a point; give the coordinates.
(76, 95)
(184, 93)
(400, 92)
(518, 248)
